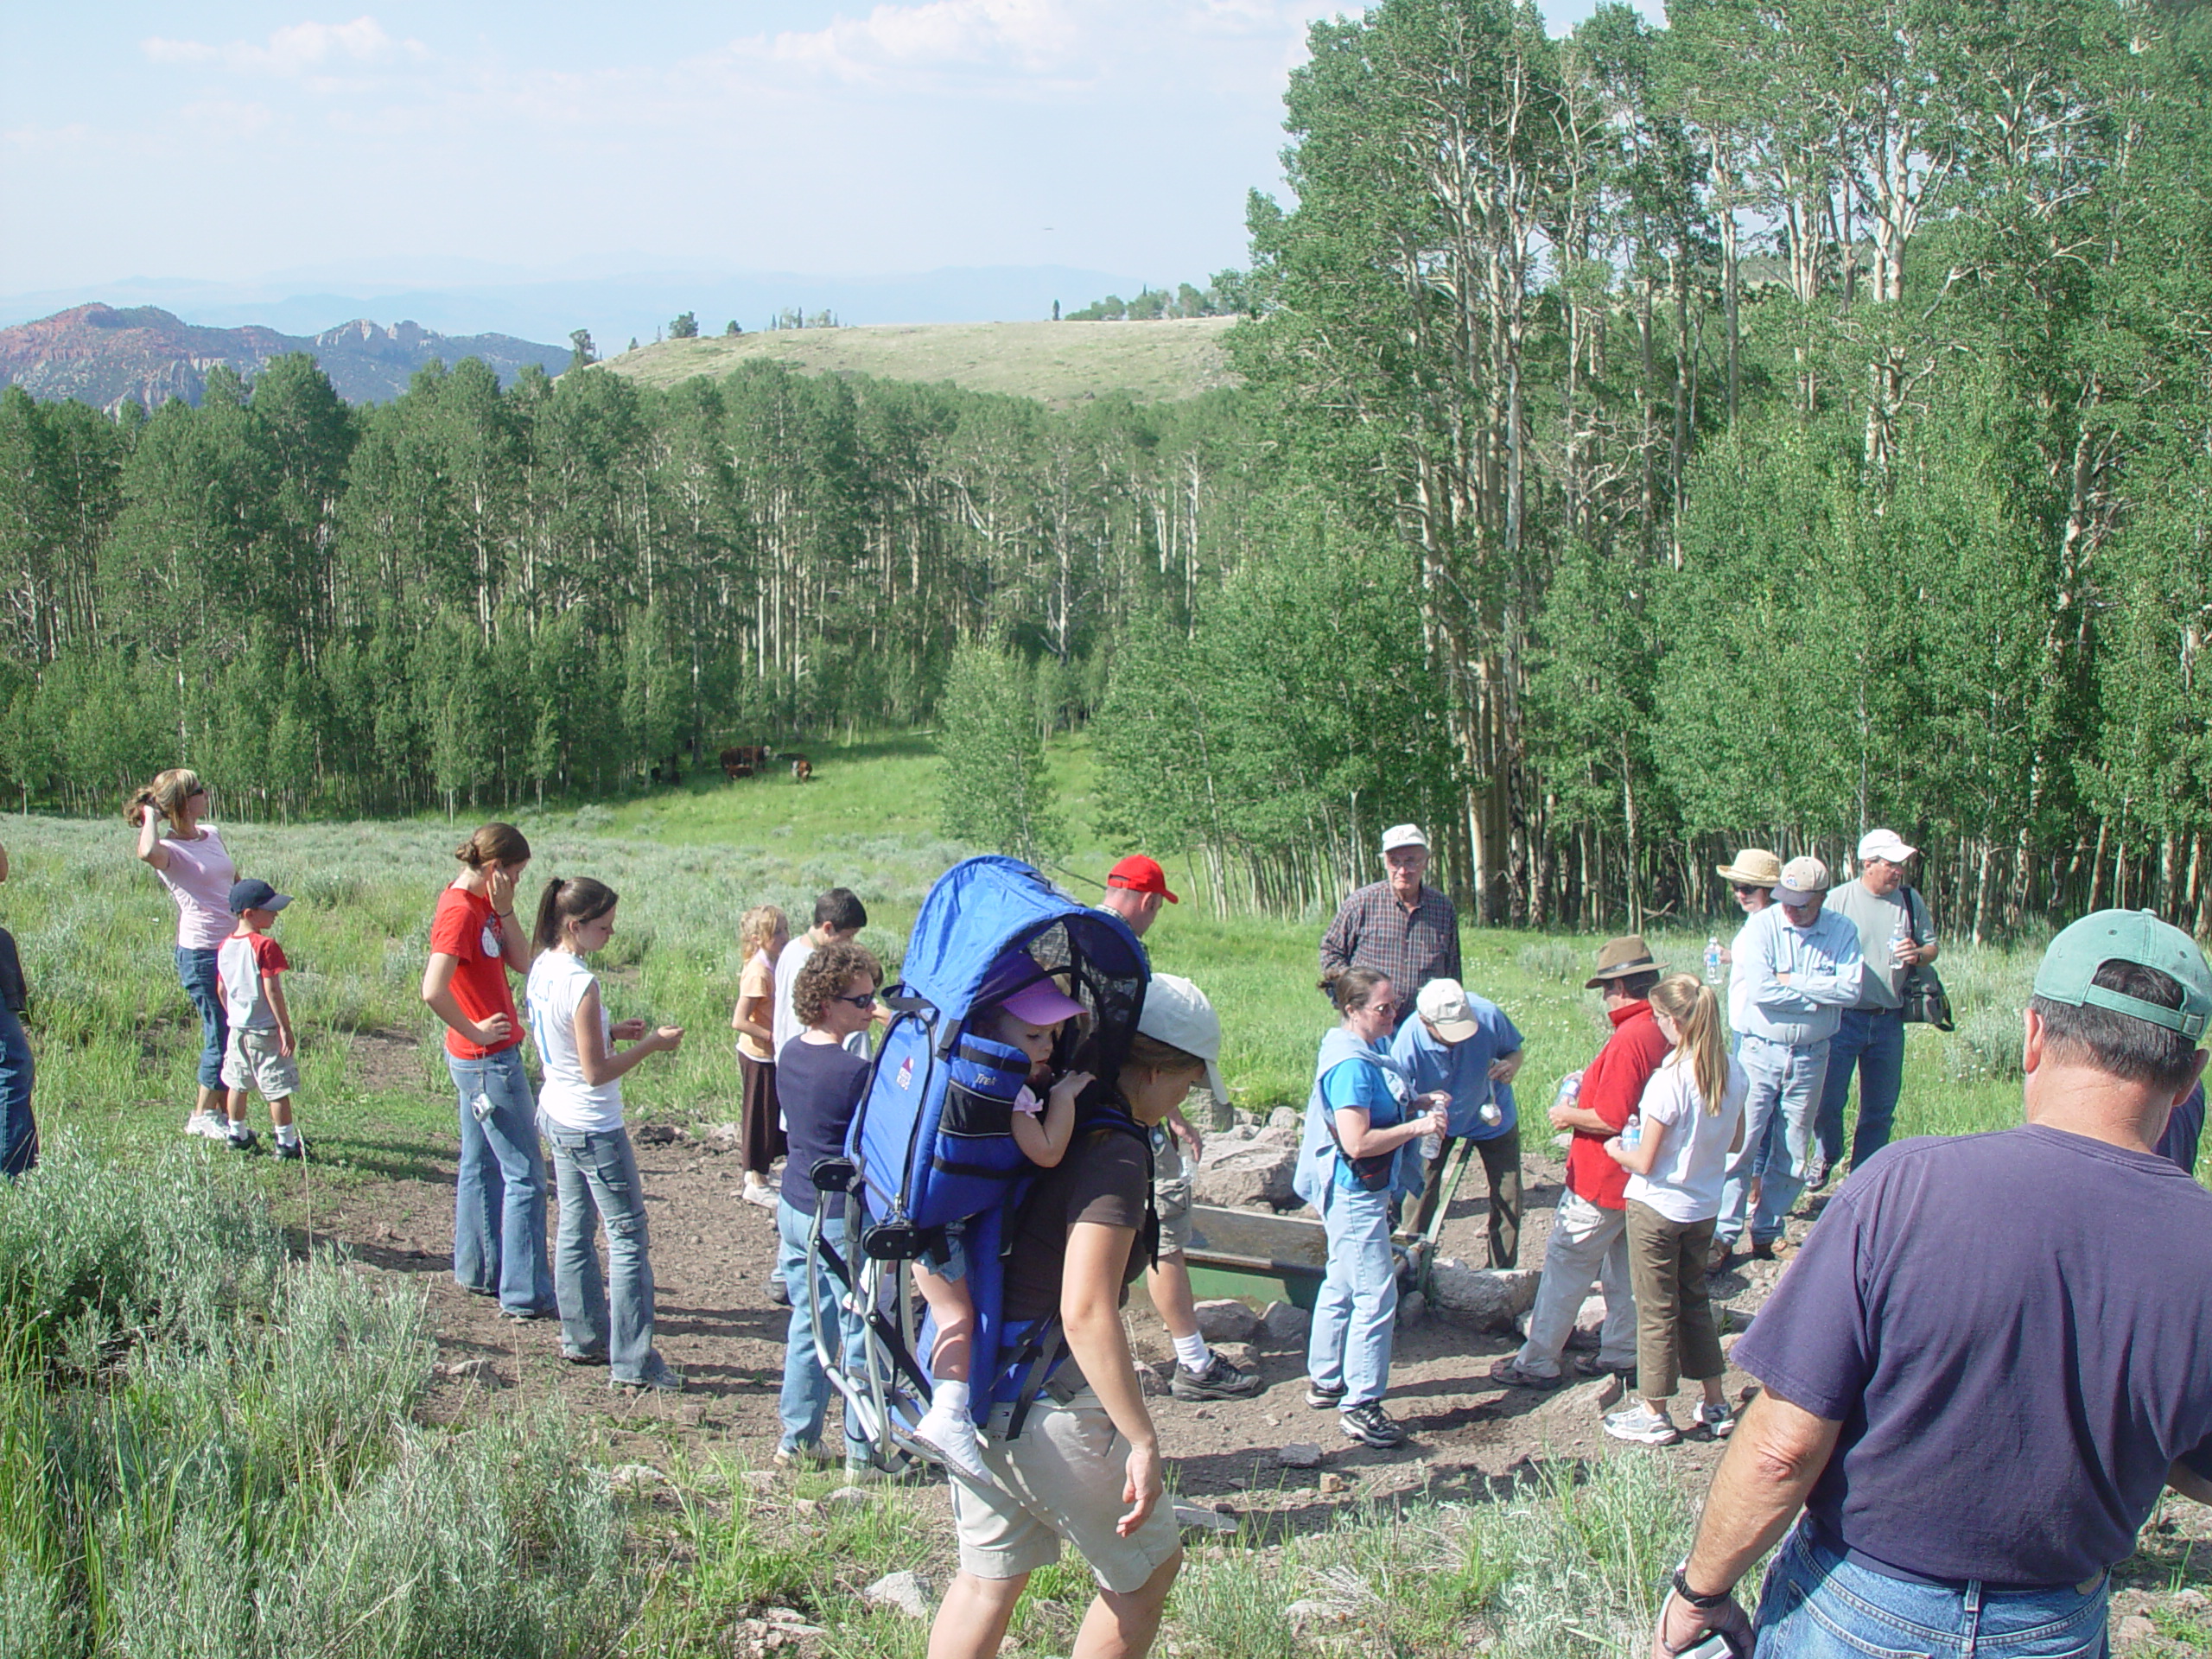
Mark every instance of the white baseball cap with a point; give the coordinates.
(1803, 880)
(1403, 835)
(1443, 1004)
(1883, 844)
(1176, 1013)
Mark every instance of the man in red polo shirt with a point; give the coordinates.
(1589, 1237)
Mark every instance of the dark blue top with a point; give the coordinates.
(819, 1086)
(2012, 1330)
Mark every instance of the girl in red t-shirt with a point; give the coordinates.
(476, 941)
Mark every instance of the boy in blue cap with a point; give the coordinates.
(249, 968)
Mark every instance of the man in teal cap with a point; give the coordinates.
(1990, 1354)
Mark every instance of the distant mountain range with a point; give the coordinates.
(614, 300)
(99, 355)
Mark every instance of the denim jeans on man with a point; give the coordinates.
(1817, 1604)
(595, 1172)
(1354, 1317)
(196, 968)
(498, 1219)
(1872, 1039)
(18, 1129)
(1785, 1080)
(1587, 1242)
(804, 1403)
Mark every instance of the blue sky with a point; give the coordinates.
(414, 141)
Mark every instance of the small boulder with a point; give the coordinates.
(1316, 1613)
(1492, 1297)
(1246, 1173)
(656, 1135)
(1413, 1308)
(636, 1478)
(1286, 1117)
(1286, 1322)
(1575, 1405)
(1299, 1454)
(1190, 1516)
(1331, 1483)
(1226, 1319)
(849, 1497)
(903, 1591)
(2135, 1628)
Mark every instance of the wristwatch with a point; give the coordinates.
(1703, 1604)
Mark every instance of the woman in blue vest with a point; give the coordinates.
(1362, 1115)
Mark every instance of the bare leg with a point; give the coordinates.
(954, 1311)
(1170, 1285)
(972, 1618)
(1123, 1626)
(279, 1112)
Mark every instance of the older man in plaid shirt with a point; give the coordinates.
(1398, 926)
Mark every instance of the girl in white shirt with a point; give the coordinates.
(1690, 1119)
(603, 1321)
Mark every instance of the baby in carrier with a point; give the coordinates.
(1029, 1021)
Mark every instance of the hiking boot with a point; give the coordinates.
(292, 1150)
(1715, 1418)
(242, 1140)
(1371, 1425)
(1219, 1380)
(1723, 1252)
(779, 1292)
(1511, 1372)
(587, 1357)
(807, 1455)
(1640, 1424)
(1321, 1398)
(1817, 1171)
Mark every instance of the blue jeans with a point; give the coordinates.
(1785, 1084)
(197, 970)
(805, 1402)
(1816, 1605)
(18, 1129)
(1873, 1040)
(1355, 1314)
(498, 1208)
(597, 1175)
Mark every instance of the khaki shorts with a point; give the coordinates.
(1171, 1194)
(251, 1062)
(1061, 1479)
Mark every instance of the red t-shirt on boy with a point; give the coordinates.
(1611, 1088)
(465, 928)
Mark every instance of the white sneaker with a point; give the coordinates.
(1642, 1425)
(952, 1436)
(1716, 1419)
(213, 1125)
(760, 1193)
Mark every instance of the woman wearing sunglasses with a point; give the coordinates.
(819, 1083)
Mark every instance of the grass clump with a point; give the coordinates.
(209, 1449)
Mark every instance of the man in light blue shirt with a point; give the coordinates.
(1465, 1047)
(1803, 967)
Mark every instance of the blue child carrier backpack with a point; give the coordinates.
(931, 1145)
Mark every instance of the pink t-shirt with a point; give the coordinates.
(198, 878)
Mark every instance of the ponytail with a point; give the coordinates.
(166, 795)
(1696, 1014)
(579, 900)
(499, 844)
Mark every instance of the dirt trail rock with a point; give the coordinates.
(1247, 1173)
(1491, 1298)
(1226, 1320)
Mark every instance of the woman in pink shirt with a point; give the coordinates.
(196, 868)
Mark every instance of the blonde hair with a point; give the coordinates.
(1696, 1014)
(166, 795)
(758, 925)
(500, 843)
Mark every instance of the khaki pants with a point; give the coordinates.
(1674, 1333)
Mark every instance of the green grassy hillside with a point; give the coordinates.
(1056, 363)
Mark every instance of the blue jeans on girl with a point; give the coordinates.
(197, 970)
(498, 1218)
(804, 1403)
(18, 1129)
(595, 1172)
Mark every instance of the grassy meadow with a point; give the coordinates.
(1057, 364)
(211, 1446)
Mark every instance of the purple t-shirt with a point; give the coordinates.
(2013, 1330)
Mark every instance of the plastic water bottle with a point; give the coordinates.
(1712, 959)
(1632, 1133)
(1900, 938)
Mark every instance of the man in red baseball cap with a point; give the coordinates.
(1136, 889)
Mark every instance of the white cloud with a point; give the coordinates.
(294, 50)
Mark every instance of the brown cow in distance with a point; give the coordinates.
(802, 769)
(741, 760)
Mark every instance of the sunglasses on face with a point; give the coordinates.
(865, 1000)
(1742, 889)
